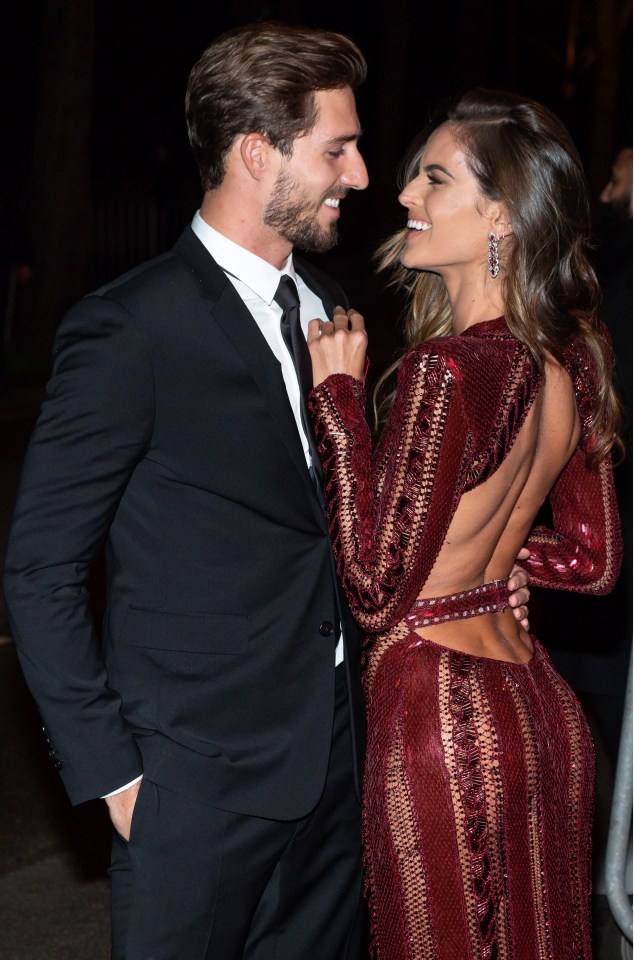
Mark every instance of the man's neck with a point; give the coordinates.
(243, 226)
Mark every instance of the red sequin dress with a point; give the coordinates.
(479, 773)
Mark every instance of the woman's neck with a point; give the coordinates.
(473, 299)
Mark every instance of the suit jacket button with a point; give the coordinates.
(57, 763)
(326, 628)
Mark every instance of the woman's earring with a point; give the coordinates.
(494, 255)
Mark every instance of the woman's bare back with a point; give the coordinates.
(493, 521)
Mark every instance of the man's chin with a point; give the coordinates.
(316, 242)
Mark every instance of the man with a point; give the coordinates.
(617, 192)
(174, 432)
(614, 265)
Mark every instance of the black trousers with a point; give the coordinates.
(198, 883)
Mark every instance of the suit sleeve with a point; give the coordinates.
(584, 550)
(94, 427)
(388, 516)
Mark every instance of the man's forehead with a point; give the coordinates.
(336, 110)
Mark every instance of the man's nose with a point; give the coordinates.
(356, 174)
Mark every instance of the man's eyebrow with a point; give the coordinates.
(345, 138)
(438, 166)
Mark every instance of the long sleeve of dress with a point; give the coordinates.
(389, 511)
(583, 552)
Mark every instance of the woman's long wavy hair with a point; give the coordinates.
(521, 154)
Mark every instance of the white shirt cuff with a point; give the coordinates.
(121, 789)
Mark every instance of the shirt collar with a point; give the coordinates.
(258, 275)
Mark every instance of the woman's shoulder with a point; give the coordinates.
(581, 366)
(477, 352)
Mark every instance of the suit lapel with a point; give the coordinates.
(319, 289)
(230, 314)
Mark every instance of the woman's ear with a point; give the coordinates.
(502, 225)
(498, 221)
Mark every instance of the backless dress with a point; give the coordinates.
(478, 787)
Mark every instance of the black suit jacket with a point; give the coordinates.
(168, 435)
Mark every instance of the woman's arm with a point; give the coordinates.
(583, 552)
(389, 512)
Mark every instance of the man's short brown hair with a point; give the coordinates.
(262, 78)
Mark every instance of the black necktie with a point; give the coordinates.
(288, 299)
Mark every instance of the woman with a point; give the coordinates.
(479, 776)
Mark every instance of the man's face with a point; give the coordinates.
(324, 166)
(617, 193)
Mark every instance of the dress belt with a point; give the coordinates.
(489, 597)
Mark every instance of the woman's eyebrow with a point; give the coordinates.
(438, 166)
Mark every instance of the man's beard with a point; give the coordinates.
(294, 216)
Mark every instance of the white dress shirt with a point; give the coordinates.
(257, 281)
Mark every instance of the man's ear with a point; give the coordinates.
(255, 151)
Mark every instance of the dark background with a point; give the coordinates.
(94, 112)
(97, 176)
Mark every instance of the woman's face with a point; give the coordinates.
(447, 227)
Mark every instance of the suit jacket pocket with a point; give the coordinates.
(214, 633)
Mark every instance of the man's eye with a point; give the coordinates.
(335, 153)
